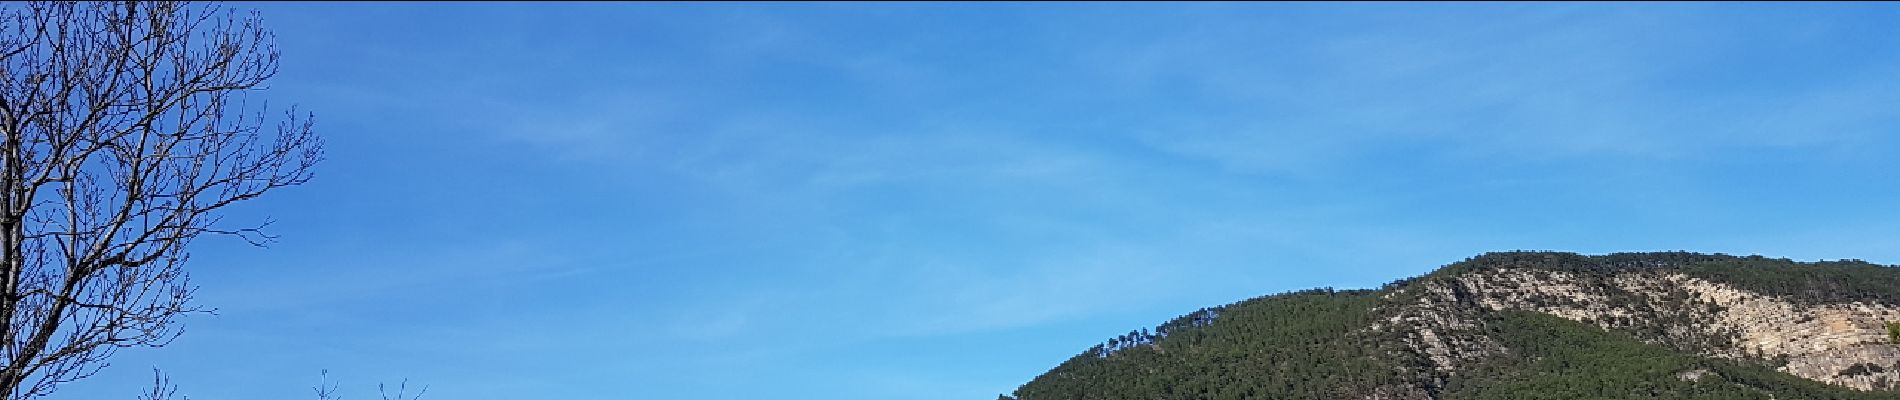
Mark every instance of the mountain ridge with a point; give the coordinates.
(1712, 325)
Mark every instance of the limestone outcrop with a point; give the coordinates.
(1844, 344)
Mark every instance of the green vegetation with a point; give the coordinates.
(1318, 343)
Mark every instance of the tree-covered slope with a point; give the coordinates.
(1513, 325)
(1296, 345)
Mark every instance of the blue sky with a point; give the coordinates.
(941, 201)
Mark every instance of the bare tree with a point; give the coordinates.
(125, 129)
(327, 391)
(162, 388)
(401, 391)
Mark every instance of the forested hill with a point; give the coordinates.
(1526, 325)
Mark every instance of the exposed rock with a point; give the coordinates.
(1841, 344)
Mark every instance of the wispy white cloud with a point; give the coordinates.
(1533, 85)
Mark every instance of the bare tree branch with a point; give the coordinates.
(125, 127)
(162, 388)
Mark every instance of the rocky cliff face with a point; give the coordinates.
(1844, 344)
